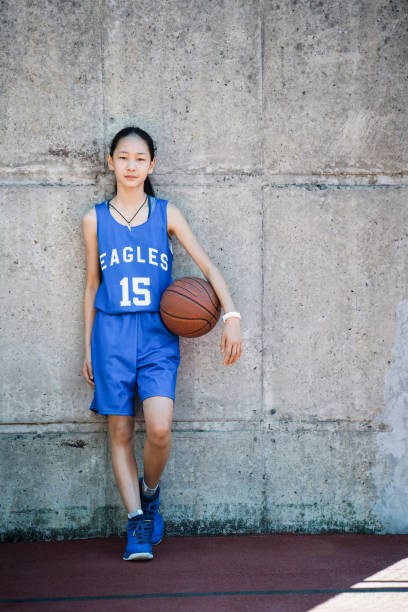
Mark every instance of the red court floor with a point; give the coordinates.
(282, 572)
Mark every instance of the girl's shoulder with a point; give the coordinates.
(171, 207)
(91, 213)
(90, 219)
(167, 206)
(176, 221)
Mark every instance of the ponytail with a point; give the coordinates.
(148, 187)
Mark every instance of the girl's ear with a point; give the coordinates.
(152, 164)
(110, 162)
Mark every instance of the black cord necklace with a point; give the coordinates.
(128, 222)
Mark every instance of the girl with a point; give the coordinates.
(128, 261)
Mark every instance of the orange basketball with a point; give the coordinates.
(190, 307)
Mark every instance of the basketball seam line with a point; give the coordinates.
(198, 303)
(205, 289)
(185, 318)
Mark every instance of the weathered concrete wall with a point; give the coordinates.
(281, 131)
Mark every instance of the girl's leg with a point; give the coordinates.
(121, 434)
(158, 415)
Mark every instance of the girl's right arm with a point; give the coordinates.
(93, 280)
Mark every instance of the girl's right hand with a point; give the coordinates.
(87, 371)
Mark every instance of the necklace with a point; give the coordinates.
(130, 221)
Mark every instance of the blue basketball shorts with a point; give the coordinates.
(129, 349)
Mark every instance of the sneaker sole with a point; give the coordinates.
(138, 556)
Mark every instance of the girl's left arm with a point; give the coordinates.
(231, 341)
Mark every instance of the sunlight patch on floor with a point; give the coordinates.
(395, 575)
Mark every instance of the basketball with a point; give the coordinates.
(189, 307)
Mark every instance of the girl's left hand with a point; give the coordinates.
(231, 341)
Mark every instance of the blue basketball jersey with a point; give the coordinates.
(136, 263)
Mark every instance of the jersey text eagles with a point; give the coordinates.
(129, 253)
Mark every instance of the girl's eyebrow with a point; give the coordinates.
(141, 153)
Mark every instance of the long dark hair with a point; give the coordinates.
(148, 187)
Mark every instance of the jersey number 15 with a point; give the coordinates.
(142, 295)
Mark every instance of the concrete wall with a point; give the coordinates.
(281, 131)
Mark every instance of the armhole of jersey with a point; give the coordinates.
(152, 205)
(97, 223)
(169, 241)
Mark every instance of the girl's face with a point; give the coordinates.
(131, 161)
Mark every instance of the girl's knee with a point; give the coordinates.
(121, 433)
(159, 435)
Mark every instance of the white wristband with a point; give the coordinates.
(230, 314)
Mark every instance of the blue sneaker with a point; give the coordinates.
(150, 506)
(139, 538)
